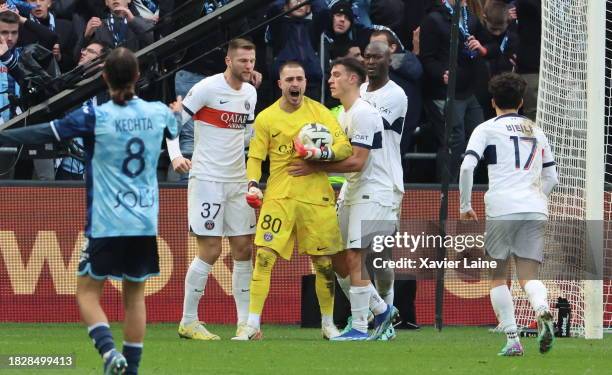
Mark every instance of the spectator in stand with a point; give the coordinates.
(70, 168)
(361, 10)
(18, 32)
(529, 17)
(148, 9)
(295, 37)
(341, 30)
(62, 50)
(502, 32)
(389, 13)
(414, 13)
(351, 49)
(434, 55)
(155, 10)
(405, 70)
(119, 27)
(503, 36)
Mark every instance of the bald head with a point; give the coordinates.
(377, 58)
(379, 47)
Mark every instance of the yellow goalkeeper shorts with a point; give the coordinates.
(315, 227)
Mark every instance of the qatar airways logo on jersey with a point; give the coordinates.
(234, 120)
(222, 119)
(384, 110)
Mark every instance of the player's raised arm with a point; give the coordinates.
(79, 123)
(35, 134)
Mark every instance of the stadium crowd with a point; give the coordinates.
(55, 36)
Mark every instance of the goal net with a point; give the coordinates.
(574, 111)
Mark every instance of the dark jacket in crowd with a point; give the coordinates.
(389, 13)
(529, 13)
(504, 49)
(297, 39)
(434, 54)
(66, 39)
(213, 62)
(414, 12)
(33, 32)
(406, 71)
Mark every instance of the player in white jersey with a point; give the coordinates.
(367, 208)
(222, 107)
(522, 174)
(391, 102)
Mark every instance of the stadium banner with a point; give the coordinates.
(41, 236)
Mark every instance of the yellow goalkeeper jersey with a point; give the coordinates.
(275, 130)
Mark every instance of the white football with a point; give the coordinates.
(317, 135)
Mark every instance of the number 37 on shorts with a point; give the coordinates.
(282, 222)
(219, 209)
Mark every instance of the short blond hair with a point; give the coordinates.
(240, 43)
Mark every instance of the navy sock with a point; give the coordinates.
(102, 338)
(132, 353)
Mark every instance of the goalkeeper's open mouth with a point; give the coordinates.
(295, 93)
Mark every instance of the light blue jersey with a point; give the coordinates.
(122, 146)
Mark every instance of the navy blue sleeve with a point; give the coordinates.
(30, 135)
(79, 123)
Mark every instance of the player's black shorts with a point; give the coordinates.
(120, 258)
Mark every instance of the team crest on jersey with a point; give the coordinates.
(247, 105)
(268, 236)
(209, 224)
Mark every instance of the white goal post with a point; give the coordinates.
(595, 164)
(573, 102)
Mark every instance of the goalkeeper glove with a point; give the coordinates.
(312, 152)
(254, 196)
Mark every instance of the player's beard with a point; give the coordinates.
(240, 75)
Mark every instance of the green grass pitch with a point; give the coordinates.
(292, 350)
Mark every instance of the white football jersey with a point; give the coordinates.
(392, 104)
(515, 151)
(221, 117)
(374, 183)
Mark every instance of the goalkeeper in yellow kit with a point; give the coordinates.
(301, 208)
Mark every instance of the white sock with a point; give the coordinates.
(327, 320)
(195, 283)
(254, 320)
(377, 304)
(385, 290)
(501, 299)
(360, 296)
(241, 280)
(384, 278)
(537, 295)
(345, 284)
